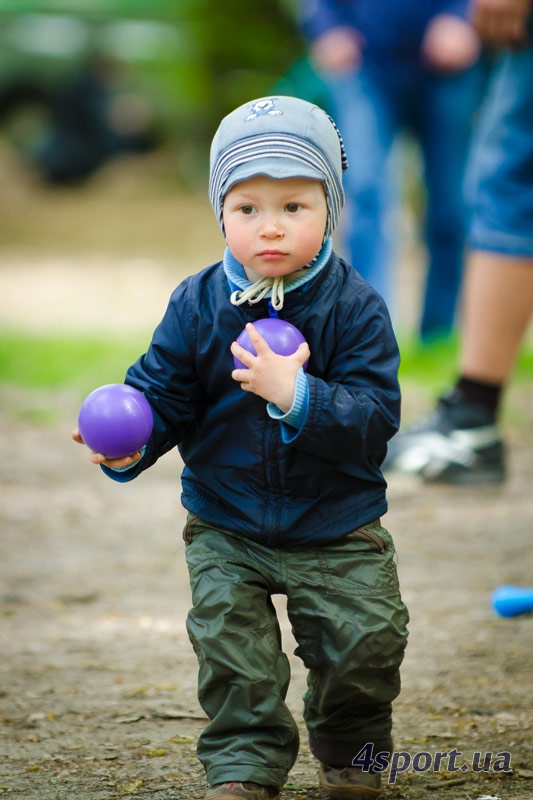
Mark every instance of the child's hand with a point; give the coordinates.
(270, 376)
(113, 463)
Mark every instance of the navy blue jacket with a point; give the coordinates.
(392, 30)
(239, 473)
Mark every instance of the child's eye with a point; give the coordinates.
(247, 209)
(292, 207)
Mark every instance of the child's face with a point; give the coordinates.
(275, 226)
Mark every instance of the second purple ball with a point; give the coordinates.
(281, 336)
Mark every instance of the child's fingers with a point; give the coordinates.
(263, 348)
(243, 355)
(99, 458)
(240, 375)
(76, 435)
(115, 463)
(303, 353)
(257, 340)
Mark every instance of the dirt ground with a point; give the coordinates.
(97, 677)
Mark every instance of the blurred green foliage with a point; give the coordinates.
(55, 361)
(194, 59)
(58, 362)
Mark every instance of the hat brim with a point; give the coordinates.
(273, 167)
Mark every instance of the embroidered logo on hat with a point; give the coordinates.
(263, 107)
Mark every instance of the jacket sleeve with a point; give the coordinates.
(318, 16)
(458, 8)
(355, 409)
(167, 375)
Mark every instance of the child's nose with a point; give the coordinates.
(272, 227)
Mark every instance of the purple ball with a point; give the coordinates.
(115, 420)
(282, 337)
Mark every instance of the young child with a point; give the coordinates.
(282, 476)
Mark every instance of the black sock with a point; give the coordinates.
(479, 392)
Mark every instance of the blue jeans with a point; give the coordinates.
(371, 110)
(500, 176)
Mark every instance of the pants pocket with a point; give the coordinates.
(373, 535)
(361, 563)
(190, 524)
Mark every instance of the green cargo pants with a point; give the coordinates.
(349, 621)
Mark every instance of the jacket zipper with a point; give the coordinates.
(273, 513)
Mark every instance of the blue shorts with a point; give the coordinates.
(500, 176)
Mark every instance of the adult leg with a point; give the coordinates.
(497, 309)
(461, 442)
(444, 123)
(498, 292)
(367, 118)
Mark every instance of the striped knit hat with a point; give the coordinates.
(281, 137)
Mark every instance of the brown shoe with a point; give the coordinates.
(241, 791)
(349, 783)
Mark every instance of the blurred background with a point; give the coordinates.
(160, 74)
(107, 109)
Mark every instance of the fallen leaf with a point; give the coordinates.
(182, 739)
(156, 752)
(139, 690)
(167, 687)
(443, 784)
(129, 718)
(88, 597)
(170, 713)
(131, 788)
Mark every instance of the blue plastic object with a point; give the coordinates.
(510, 601)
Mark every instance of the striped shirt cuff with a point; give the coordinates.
(293, 420)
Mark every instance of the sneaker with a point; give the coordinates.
(349, 783)
(242, 791)
(458, 443)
